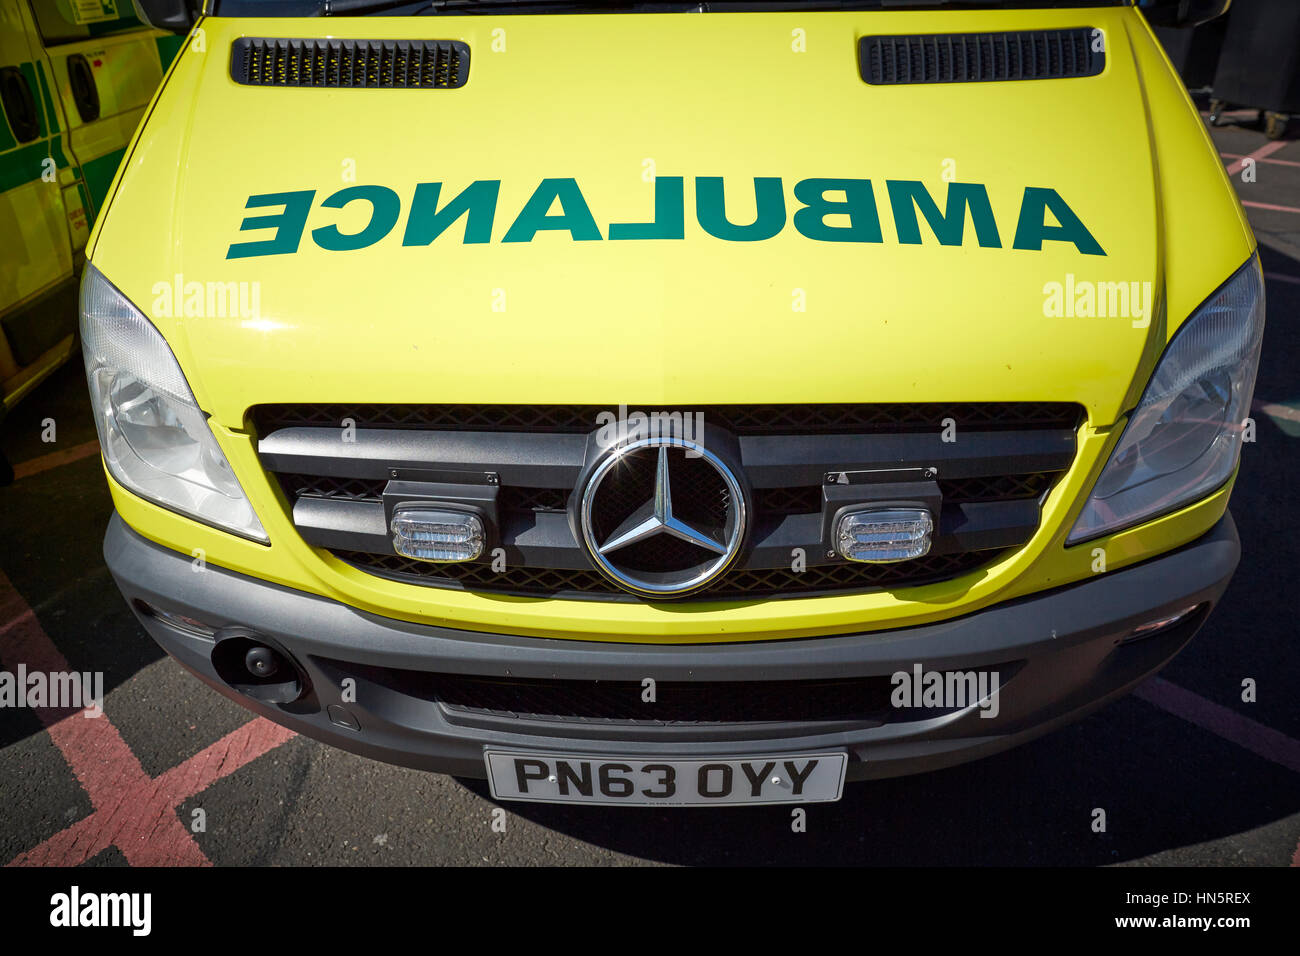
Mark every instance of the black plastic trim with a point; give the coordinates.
(350, 64)
(979, 57)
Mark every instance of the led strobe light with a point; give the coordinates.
(432, 535)
(879, 535)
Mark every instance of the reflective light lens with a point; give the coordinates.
(178, 621)
(430, 535)
(1183, 440)
(1151, 627)
(882, 535)
(156, 440)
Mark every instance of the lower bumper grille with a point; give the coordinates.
(855, 699)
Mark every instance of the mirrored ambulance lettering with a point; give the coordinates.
(824, 210)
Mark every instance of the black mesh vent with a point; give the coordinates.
(865, 700)
(740, 419)
(997, 487)
(531, 499)
(377, 64)
(739, 583)
(326, 486)
(979, 57)
(853, 699)
(804, 500)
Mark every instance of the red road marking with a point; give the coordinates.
(1268, 149)
(142, 822)
(1274, 410)
(1241, 113)
(1268, 205)
(1231, 726)
(1279, 162)
(32, 466)
(132, 811)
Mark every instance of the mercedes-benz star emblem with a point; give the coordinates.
(662, 517)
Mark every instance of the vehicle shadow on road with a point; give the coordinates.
(1162, 784)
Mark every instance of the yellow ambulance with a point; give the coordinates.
(672, 403)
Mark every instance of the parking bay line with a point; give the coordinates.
(1272, 745)
(1273, 207)
(33, 466)
(1268, 149)
(131, 810)
(1278, 162)
(1276, 410)
(1279, 277)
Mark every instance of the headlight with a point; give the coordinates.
(1183, 440)
(155, 438)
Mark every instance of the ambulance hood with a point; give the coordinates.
(671, 209)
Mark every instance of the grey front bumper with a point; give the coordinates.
(1066, 646)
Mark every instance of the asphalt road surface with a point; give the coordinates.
(1186, 772)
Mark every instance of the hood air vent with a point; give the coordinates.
(350, 64)
(979, 57)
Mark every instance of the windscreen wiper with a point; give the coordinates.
(397, 8)
(351, 8)
(741, 6)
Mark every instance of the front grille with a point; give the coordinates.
(369, 64)
(980, 57)
(734, 584)
(334, 463)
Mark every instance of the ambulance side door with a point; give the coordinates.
(106, 65)
(36, 252)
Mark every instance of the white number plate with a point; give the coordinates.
(703, 782)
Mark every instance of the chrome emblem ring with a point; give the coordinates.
(662, 517)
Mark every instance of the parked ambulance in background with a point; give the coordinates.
(75, 78)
